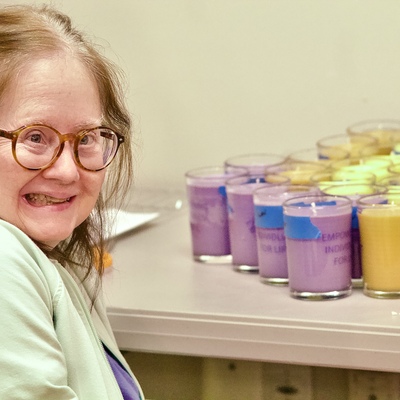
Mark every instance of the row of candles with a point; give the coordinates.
(321, 221)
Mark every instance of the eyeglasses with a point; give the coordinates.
(37, 147)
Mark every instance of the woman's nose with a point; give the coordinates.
(64, 168)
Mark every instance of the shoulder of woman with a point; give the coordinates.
(14, 243)
(24, 267)
(12, 237)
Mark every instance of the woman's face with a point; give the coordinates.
(48, 205)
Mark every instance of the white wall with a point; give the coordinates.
(212, 79)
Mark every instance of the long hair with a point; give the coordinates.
(28, 32)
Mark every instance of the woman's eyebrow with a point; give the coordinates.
(86, 125)
(76, 128)
(90, 123)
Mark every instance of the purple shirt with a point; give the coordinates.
(126, 383)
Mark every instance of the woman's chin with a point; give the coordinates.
(52, 240)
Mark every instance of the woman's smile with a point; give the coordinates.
(40, 200)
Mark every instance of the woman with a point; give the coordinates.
(63, 130)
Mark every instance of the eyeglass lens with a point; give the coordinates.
(37, 147)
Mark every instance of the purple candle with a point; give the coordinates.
(208, 213)
(242, 230)
(318, 240)
(271, 241)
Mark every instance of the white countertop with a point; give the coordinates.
(159, 300)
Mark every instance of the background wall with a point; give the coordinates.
(209, 79)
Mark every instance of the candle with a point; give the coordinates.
(379, 219)
(330, 178)
(374, 164)
(318, 246)
(354, 192)
(314, 156)
(299, 173)
(392, 183)
(242, 231)
(356, 145)
(384, 131)
(208, 213)
(271, 243)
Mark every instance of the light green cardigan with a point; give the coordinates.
(50, 343)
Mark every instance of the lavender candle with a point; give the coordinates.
(242, 231)
(208, 213)
(271, 242)
(318, 241)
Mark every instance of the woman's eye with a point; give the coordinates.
(39, 137)
(87, 140)
(34, 137)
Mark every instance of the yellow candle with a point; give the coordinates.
(392, 183)
(380, 241)
(351, 189)
(356, 176)
(299, 177)
(379, 171)
(385, 131)
(333, 178)
(359, 149)
(384, 138)
(323, 185)
(299, 173)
